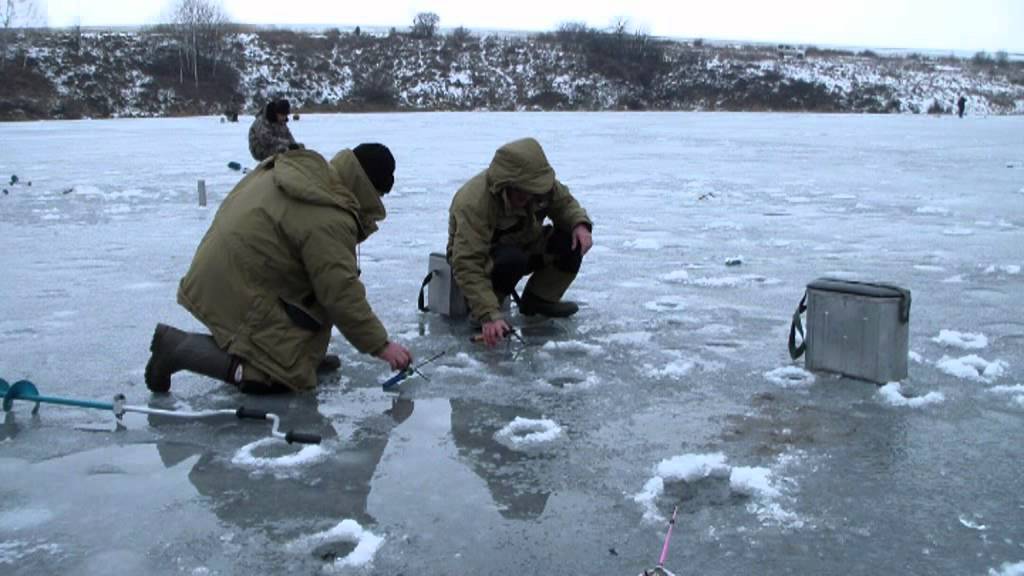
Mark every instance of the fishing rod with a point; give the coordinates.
(27, 391)
(660, 570)
(403, 374)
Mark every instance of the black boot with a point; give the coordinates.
(530, 305)
(329, 364)
(175, 350)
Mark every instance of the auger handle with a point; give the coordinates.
(293, 437)
(244, 413)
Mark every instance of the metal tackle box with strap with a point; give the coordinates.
(859, 329)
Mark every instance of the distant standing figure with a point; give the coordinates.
(960, 104)
(269, 133)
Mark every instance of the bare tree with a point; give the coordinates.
(200, 27)
(14, 13)
(424, 25)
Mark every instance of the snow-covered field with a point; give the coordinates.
(672, 386)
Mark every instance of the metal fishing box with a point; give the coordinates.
(859, 329)
(443, 295)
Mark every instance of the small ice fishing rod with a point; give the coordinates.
(660, 570)
(478, 338)
(25, 390)
(403, 374)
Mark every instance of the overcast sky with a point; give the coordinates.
(962, 25)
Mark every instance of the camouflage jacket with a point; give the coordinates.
(268, 138)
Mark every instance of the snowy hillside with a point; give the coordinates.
(61, 75)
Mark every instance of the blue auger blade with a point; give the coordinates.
(396, 379)
(25, 390)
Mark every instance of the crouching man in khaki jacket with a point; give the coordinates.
(276, 270)
(497, 235)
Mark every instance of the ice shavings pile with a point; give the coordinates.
(347, 530)
(525, 434)
(963, 340)
(757, 483)
(790, 377)
(1008, 569)
(246, 456)
(893, 396)
(972, 367)
(1016, 392)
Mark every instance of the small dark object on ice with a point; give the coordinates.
(706, 195)
(5, 191)
(234, 166)
(29, 184)
(295, 116)
(613, 552)
(68, 191)
(14, 179)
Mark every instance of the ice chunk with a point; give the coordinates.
(347, 530)
(1008, 569)
(1010, 269)
(690, 467)
(972, 367)
(964, 340)
(790, 377)
(754, 481)
(246, 457)
(893, 396)
(526, 434)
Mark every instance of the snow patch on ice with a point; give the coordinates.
(915, 357)
(20, 519)
(1016, 391)
(246, 457)
(790, 377)
(929, 268)
(525, 434)
(572, 346)
(969, 523)
(676, 276)
(932, 210)
(461, 362)
(141, 286)
(13, 551)
(972, 367)
(1010, 269)
(731, 281)
(1008, 569)
(347, 530)
(633, 338)
(754, 482)
(642, 244)
(675, 369)
(957, 279)
(666, 304)
(690, 467)
(958, 231)
(892, 395)
(962, 340)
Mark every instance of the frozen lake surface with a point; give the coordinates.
(671, 386)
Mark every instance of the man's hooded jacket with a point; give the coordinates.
(481, 216)
(278, 266)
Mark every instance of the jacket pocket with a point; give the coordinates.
(276, 336)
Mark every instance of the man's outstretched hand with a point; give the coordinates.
(581, 237)
(494, 332)
(396, 355)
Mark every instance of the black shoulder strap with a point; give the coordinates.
(420, 302)
(797, 326)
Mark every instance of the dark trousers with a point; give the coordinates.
(511, 262)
